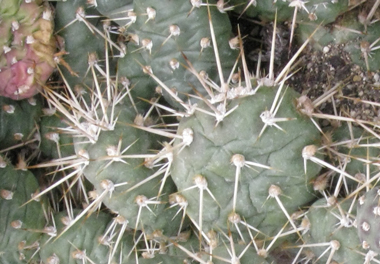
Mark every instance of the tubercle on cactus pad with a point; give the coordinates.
(27, 60)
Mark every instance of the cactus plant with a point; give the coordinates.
(55, 141)
(118, 171)
(85, 241)
(367, 220)
(85, 36)
(354, 152)
(28, 47)
(159, 36)
(19, 121)
(20, 223)
(220, 169)
(245, 167)
(113, 10)
(332, 232)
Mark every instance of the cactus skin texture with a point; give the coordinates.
(80, 41)
(366, 48)
(211, 156)
(108, 166)
(333, 223)
(17, 242)
(351, 153)
(367, 220)
(234, 191)
(28, 47)
(54, 142)
(18, 120)
(318, 11)
(222, 253)
(172, 31)
(83, 241)
(113, 9)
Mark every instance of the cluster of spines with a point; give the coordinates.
(105, 119)
(27, 48)
(367, 221)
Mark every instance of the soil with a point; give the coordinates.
(317, 71)
(322, 70)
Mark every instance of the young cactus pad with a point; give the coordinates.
(27, 47)
(55, 143)
(331, 225)
(18, 120)
(85, 35)
(354, 145)
(116, 167)
(161, 32)
(367, 220)
(19, 223)
(86, 240)
(238, 168)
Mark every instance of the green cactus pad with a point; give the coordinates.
(85, 240)
(264, 10)
(19, 224)
(367, 220)
(80, 42)
(327, 224)
(114, 9)
(18, 120)
(130, 172)
(352, 154)
(210, 155)
(363, 45)
(189, 26)
(55, 142)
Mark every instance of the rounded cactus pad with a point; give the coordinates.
(118, 167)
(161, 35)
(332, 232)
(368, 220)
(85, 33)
(89, 239)
(249, 167)
(18, 120)
(28, 47)
(21, 223)
(55, 142)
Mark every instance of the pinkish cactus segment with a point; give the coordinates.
(26, 60)
(24, 78)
